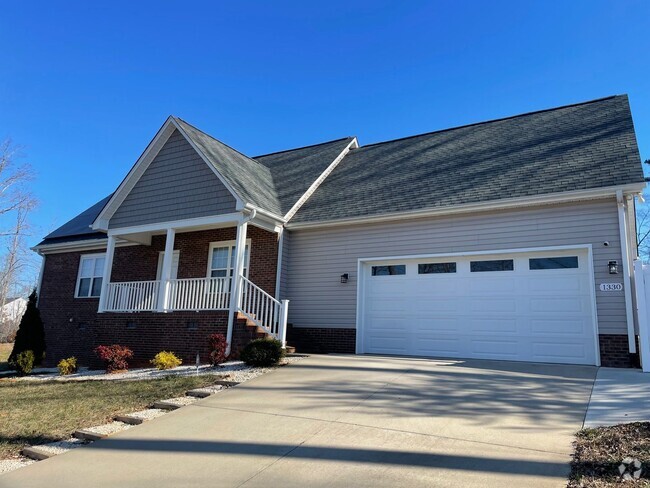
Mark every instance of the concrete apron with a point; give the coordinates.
(350, 421)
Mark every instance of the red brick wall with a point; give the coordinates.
(73, 327)
(614, 352)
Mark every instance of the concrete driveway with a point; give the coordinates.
(350, 421)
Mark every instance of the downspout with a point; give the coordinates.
(627, 282)
(39, 284)
(234, 304)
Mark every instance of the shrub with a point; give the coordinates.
(218, 345)
(67, 366)
(24, 362)
(31, 334)
(262, 352)
(116, 357)
(166, 360)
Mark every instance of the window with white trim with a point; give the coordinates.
(221, 258)
(89, 280)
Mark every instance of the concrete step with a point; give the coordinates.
(100, 431)
(37, 454)
(87, 435)
(204, 392)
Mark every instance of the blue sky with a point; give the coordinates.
(85, 85)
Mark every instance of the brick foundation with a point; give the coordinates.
(317, 340)
(614, 352)
(74, 328)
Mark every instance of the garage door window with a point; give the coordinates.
(492, 265)
(431, 268)
(397, 269)
(562, 262)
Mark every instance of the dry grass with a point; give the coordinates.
(38, 412)
(5, 350)
(599, 452)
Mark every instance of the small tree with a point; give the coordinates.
(31, 334)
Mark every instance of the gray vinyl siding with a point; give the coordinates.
(317, 258)
(177, 185)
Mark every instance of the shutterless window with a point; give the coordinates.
(222, 259)
(492, 265)
(396, 269)
(432, 268)
(562, 262)
(91, 270)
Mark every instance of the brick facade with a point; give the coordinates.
(614, 352)
(73, 327)
(320, 340)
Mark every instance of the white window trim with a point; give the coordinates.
(231, 244)
(81, 259)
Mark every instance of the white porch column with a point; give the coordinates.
(238, 270)
(166, 272)
(106, 276)
(627, 282)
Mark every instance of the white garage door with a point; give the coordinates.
(517, 306)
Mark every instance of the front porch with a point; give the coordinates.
(221, 268)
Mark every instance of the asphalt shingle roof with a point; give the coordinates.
(577, 147)
(583, 146)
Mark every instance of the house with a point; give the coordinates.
(511, 239)
(10, 314)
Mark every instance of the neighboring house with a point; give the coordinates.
(491, 240)
(10, 315)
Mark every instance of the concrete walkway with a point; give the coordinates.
(619, 396)
(349, 421)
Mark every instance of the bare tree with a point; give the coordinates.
(16, 201)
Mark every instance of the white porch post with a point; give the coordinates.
(166, 272)
(627, 282)
(238, 270)
(106, 276)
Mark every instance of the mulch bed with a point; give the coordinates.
(599, 453)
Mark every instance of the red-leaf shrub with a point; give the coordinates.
(218, 345)
(116, 357)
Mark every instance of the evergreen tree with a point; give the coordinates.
(31, 334)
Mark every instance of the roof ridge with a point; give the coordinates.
(473, 124)
(304, 147)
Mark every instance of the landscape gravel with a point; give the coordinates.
(7, 465)
(149, 414)
(60, 447)
(108, 429)
(181, 401)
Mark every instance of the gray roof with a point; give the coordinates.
(79, 227)
(577, 147)
(295, 170)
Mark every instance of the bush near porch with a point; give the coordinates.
(40, 412)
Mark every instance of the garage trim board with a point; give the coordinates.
(549, 343)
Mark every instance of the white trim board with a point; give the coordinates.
(359, 318)
(501, 204)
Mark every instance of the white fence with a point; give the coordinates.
(642, 282)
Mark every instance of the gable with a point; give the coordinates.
(176, 185)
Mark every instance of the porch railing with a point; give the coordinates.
(132, 296)
(199, 294)
(267, 312)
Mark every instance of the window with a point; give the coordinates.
(492, 265)
(222, 258)
(91, 270)
(432, 268)
(397, 269)
(562, 262)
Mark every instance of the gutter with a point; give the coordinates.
(501, 204)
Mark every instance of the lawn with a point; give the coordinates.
(44, 411)
(599, 452)
(5, 350)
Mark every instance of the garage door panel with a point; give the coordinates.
(493, 305)
(526, 315)
(557, 304)
(560, 326)
(436, 324)
(494, 325)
